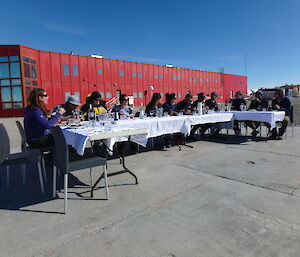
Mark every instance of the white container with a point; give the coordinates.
(199, 108)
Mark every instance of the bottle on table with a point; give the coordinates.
(91, 115)
(199, 108)
(142, 114)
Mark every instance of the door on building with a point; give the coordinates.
(119, 92)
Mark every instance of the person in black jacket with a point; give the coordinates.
(212, 103)
(258, 103)
(153, 105)
(281, 103)
(236, 104)
(170, 105)
(185, 105)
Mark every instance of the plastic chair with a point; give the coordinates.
(24, 147)
(63, 163)
(7, 159)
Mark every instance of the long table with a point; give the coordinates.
(154, 127)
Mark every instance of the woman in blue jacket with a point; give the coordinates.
(36, 123)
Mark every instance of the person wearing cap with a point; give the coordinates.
(185, 105)
(170, 105)
(212, 103)
(97, 104)
(123, 108)
(258, 103)
(201, 98)
(70, 106)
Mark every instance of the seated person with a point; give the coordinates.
(96, 103)
(185, 105)
(36, 123)
(123, 108)
(212, 103)
(170, 105)
(258, 104)
(70, 106)
(237, 101)
(201, 98)
(281, 103)
(236, 104)
(153, 106)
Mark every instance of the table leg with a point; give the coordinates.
(125, 170)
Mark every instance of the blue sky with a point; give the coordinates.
(199, 34)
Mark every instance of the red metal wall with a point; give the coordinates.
(104, 76)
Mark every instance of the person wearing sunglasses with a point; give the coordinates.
(70, 106)
(94, 100)
(123, 108)
(36, 122)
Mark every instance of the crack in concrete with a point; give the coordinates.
(237, 180)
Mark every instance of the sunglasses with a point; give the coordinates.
(43, 95)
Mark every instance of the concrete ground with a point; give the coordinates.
(225, 197)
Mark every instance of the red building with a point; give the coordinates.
(23, 68)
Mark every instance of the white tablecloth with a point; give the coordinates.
(270, 117)
(78, 137)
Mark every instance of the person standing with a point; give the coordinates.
(36, 122)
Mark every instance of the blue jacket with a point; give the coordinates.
(36, 124)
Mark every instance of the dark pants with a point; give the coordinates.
(43, 141)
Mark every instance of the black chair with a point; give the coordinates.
(44, 151)
(63, 163)
(7, 159)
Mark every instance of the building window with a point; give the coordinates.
(191, 79)
(121, 73)
(75, 69)
(26, 70)
(6, 106)
(201, 79)
(133, 74)
(16, 94)
(18, 105)
(4, 72)
(33, 72)
(14, 58)
(241, 82)
(179, 78)
(100, 72)
(5, 94)
(207, 80)
(67, 94)
(141, 94)
(108, 95)
(179, 94)
(26, 59)
(102, 94)
(135, 95)
(140, 75)
(77, 94)
(195, 79)
(3, 58)
(15, 70)
(34, 83)
(217, 81)
(5, 82)
(156, 76)
(161, 76)
(66, 69)
(16, 82)
(174, 77)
